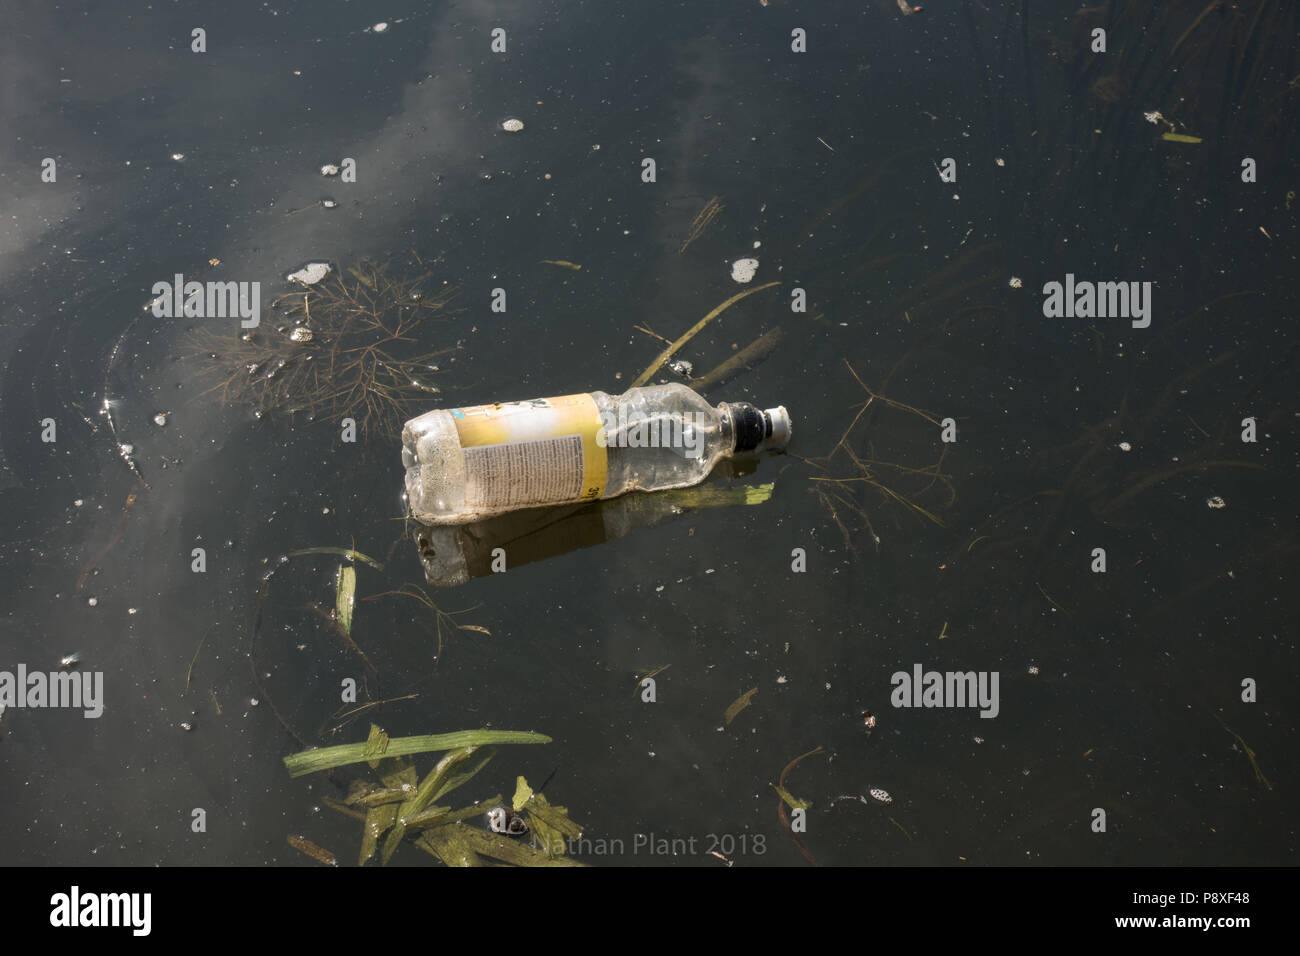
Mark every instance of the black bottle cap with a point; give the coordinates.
(749, 424)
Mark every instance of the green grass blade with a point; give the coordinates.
(327, 758)
(435, 782)
(349, 553)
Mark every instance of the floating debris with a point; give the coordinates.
(1216, 503)
(313, 850)
(310, 274)
(374, 330)
(345, 599)
(683, 368)
(739, 704)
(380, 27)
(92, 601)
(702, 220)
(178, 156)
(1125, 446)
(329, 169)
(1153, 116)
(881, 795)
(513, 126)
(744, 270)
(746, 358)
(1016, 282)
(161, 419)
(1033, 670)
(70, 660)
(186, 726)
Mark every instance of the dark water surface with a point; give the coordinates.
(1119, 690)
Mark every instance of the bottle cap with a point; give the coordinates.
(758, 430)
(779, 427)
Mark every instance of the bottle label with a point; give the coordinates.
(539, 452)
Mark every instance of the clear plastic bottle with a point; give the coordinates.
(464, 464)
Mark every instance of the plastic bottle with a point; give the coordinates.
(464, 464)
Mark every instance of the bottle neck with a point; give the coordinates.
(745, 426)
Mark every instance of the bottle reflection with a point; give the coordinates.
(454, 554)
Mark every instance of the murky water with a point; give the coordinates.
(1120, 690)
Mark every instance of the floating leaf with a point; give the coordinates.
(523, 793)
(349, 553)
(376, 744)
(1180, 138)
(551, 825)
(346, 599)
(461, 845)
(379, 820)
(739, 704)
(327, 758)
(397, 773)
(440, 816)
(714, 497)
(437, 781)
(452, 845)
(379, 797)
(316, 852)
(793, 802)
(563, 264)
(461, 777)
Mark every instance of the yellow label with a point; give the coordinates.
(538, 452)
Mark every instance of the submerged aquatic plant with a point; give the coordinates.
(405, 807)
(851, 476)
(348, 347)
